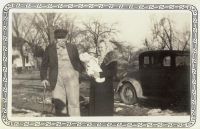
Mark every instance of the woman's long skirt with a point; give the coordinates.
(101, 98)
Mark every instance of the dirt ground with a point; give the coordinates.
(28, 100)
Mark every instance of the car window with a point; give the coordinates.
(167, 61)
(146, 61)
(182, 61)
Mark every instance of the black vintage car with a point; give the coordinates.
(163, 75)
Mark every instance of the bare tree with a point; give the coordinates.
(96, 31)
(165, 36)
(16, 23)
(73, 30)
(148, 44)
(22, 25)
(184, 40)
(163, 32)
(21, 30)
(129, 52)
(45, 24)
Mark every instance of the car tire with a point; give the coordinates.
(128, 94)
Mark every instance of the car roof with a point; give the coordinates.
(164, 52)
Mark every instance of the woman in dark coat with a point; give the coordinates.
(102, 94)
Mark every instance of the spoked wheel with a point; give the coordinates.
(128, 94)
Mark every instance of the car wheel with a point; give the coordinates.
(128, 94)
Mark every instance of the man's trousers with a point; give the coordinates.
(66, 94)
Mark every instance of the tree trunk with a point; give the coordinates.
(96, 46)
(51, 35)
(97, 53)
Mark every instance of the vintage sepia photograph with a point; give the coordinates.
(118, 65)
(101, 63)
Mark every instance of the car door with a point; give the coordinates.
(166, 75)
(158, 76)
(181, 76)
(146, 76)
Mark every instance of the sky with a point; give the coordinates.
(133, 25)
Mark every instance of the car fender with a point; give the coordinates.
(135, 83)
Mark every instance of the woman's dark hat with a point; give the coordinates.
(60, 33)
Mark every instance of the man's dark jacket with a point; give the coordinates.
(50, 61)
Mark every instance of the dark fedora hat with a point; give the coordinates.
(60, 33)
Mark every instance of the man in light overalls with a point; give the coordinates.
(64, 65)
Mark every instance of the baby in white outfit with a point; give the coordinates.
(92, 66)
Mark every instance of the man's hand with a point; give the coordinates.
(45, 83)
